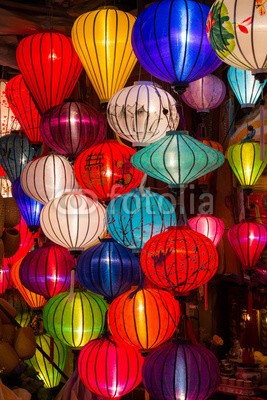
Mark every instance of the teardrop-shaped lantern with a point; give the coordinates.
(8, 121)
(50, 67)
(102, 39)
(142, 113)
(205, 179)
(177, 159)
(209, 226)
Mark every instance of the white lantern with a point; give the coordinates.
(7, 118)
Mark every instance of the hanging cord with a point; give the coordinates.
(75, 254)
(262, 139)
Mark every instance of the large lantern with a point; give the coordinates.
(109, 369)
(8, 120)
(75, 322)
(205, 179)
(208, 225)
(181, 371)
(142, 113)
(102, 39)
(50, 67)
(133, 218)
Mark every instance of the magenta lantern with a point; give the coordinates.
(208, 225)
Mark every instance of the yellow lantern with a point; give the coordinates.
(102, 40)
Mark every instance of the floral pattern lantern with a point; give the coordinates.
(7, 118)
(208, 225)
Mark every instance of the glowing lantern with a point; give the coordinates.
(205, 179)
(8, 120)
(109, 369)
(142, 113)
(209, 226)
(49, 66)
(102, 39)
(248, 240)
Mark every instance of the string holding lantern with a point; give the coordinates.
(209, 226)
(8, 120)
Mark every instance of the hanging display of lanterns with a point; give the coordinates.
(209, 226)
(142, 113)
(8, 120)
(109, 369)
(102, 39)
(49, 66)
(133, 218)
(205, 179)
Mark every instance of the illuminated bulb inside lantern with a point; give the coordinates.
(53, 56)
(108, 173)
(248, 317)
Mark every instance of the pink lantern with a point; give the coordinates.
(208, 225)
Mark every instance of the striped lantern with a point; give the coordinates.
(8, 120)
(205, 179)
(209, 226)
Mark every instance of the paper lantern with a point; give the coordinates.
(133, 218)
(205, 179)
(109, 369)
(248, 240)
(174, 49)
(108, 269)
(8, 120)
(177, 159)
(49, 66)
(209, 226)
(105, 170)
(143, 318)
(71, 127)
(142, 113)
(181, 370)
(102, 39)
(73, 221)
(21, 103)
(179, 259)
(75, 322)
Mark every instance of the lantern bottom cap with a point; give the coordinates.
(247, 105)
(260, 74)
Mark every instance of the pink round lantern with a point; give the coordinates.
(208, 225)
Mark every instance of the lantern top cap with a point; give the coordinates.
(172, 133)
(147, 83)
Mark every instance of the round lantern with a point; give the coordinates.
(142, 113)
(181, 371)
(109, 369)
(209, 226)
(205, 179)
(248, 240)
(71, 127)
(102, 39)
(21, 103)
(177, 159)
(8, 120)
(4, 278)
(179, 259)
(108, 269)
(133, 218)
(143, 318)
(174, 50)
(105, 170)
(75, 322)
(73, 221)
(49, 66)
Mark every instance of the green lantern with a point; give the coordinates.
(177, 159)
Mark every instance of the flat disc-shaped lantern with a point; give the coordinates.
(205, 179)
(179, 259)
(21, 103)
(177, 159)
(109, 369)
(174, 49)
(208, 225)
(142, 113)
(75, 322)
(8, 121)
(181, 371)
(71, 127)
(248, 240)
(106, 170)
(133, 218)
(50, 67)
(102, 39)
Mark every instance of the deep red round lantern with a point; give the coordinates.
(109, 369)
(208, 225)
(105, 170)
(50, 67)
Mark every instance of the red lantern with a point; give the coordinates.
(205, 179)
(208, 225)
(106, 170)
(50, 67)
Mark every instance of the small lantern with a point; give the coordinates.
(8, 120)
(209, 226)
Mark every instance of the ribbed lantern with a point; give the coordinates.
(102, 39)
(105, 170)
(142, 113)
(143, 318)
(174, 49)
(109, 369)
(75, 322)
(248, 240)
(49, 66)
(72, 127)
(133, 218)
(209, 226)
(179, 259)
(177, 159)
(181, 371)
(205, 179)
(8, 120)
(21, 103)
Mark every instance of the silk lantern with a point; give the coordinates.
(133, 218)
(75, 322)
(109, 369)
(209, 226)
(142, 113)
(8, 120)
(49, 66)
(102, 39)
(205, 179)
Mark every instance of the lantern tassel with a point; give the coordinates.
(72, 283)
(142, 184)
(262, 141)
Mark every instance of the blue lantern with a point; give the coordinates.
(108, 269)
(169, 39)
(135, 217)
